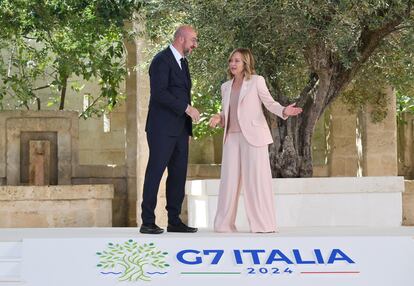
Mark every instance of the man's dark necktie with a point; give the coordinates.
(184, 67)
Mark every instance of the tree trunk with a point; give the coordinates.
(38, 103)
(291, 152)
(63, 93)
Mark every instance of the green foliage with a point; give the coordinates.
(405, 104)
(291, 39)
(393, 64)
(52, 41)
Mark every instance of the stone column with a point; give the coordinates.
(320, 146)
(380, 141)
(343, 159)
(406, 146)
(142, 91)
(131, 129)
(408, 203)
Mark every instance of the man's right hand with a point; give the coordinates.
(193, 113)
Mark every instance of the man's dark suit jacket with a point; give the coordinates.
(170, 96)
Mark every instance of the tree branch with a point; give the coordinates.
(402, 27)
(370, 39)
(28, 38)
(368, 42)
(90, 106)
(41, 87)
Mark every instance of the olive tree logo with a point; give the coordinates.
(129, 260)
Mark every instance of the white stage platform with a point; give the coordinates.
(348, 256)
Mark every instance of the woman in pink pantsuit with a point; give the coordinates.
(245, 163)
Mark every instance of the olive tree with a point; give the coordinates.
(310, 52)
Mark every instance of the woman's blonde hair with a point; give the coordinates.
(248, 60)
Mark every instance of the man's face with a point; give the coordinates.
(189, 42)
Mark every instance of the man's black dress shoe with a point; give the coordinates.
(181, 227)
(150, 228)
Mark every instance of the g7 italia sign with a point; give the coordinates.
(134, 261)
(208, 259)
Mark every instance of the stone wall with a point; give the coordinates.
(99, 145)
(380, 141)
(360, 147)
(56, 206)
(103, 147)
(114, 176)
(65, 125)
(343, 158)
(13, 123)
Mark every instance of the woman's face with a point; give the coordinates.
(236, 64)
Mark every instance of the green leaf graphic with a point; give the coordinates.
(132, 259)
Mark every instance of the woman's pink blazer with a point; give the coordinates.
(252, 121)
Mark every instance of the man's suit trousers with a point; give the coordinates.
(169, 152)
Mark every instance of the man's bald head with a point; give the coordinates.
(183, 30)
(185, 39)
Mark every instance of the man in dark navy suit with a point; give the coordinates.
(169, 125)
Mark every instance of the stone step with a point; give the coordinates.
(311, 202)
(203, 171)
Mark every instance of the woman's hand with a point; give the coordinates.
(214, 120)
(291, 110)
